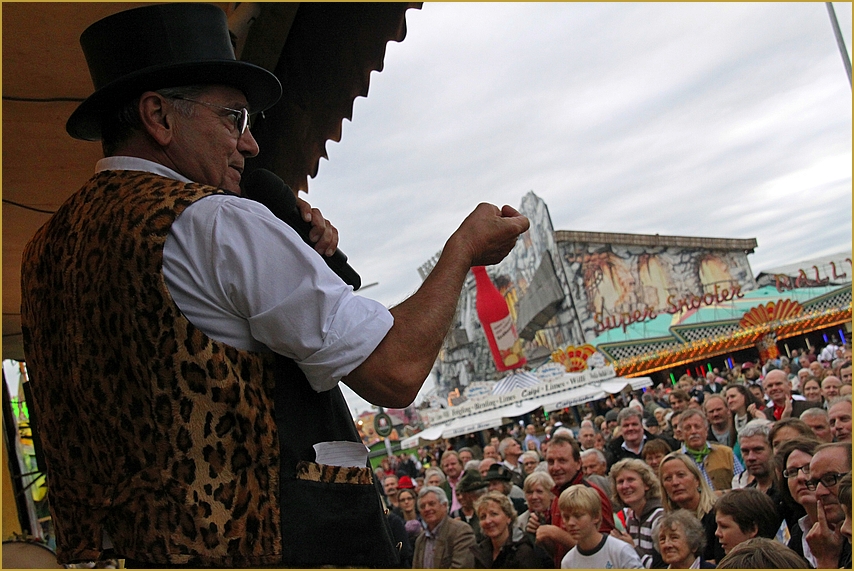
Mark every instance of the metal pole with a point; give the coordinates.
(839, 41)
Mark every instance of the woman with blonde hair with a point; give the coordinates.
(504, 546)
(636, 490)
(683, 486)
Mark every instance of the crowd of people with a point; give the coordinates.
(746, 467)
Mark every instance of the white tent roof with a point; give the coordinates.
(550, 402)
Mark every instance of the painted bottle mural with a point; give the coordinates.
(494, 315)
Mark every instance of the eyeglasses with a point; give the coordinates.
(240, 116)
(829, 480)
(790, 473)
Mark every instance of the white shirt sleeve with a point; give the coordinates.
(247, 279)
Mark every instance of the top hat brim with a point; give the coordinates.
(261, 88)
(478, 486)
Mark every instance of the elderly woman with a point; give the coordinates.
(434, 477)
(683, 486)
(636, 490)
(538, 495)
(744, 514)
(681, 540)
(529, 461)
(504, 546)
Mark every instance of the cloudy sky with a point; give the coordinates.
(717, 120)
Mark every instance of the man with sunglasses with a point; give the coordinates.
(828, 465)
(185, 346)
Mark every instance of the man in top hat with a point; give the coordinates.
(500, 479)
(470, 487)
(183, 342)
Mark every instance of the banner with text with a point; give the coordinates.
(487, 403)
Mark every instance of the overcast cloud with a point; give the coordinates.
(715, 120)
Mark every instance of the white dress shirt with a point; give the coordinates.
(245, 278)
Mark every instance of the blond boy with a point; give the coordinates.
(581, 511)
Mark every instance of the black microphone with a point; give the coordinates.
(265, 187)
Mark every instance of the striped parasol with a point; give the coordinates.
(517, 380)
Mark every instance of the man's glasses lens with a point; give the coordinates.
(829, 480)
(241, 116)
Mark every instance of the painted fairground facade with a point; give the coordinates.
(647, 303)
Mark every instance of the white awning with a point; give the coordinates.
(488, 419)
(500, 415)
(430, 434)
(593, 391)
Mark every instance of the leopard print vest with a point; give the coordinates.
(152, 431)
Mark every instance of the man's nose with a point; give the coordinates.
(247, 145)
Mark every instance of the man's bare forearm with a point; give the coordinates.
(393, 374)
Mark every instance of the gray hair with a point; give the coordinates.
(502, 446)
(541, 478)
(118, 126)
(629, 412)
(695, 533)
(688, 413)
(440, 494)
(756, 427)
(814, 411)
(471, 465)
(431, 471)
(529, 454)
(595, 452)
(564, 430)
(843, 398)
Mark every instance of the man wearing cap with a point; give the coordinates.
(183, 342)
(499, 478)
(470, 487)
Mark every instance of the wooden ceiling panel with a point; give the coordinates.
(42, 61)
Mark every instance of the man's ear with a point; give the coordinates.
(157, 118)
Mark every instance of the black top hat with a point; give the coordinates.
(160, 46)
(470, 482)
(499, 472)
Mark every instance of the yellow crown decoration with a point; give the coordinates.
(772, 311)
(574, 359)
